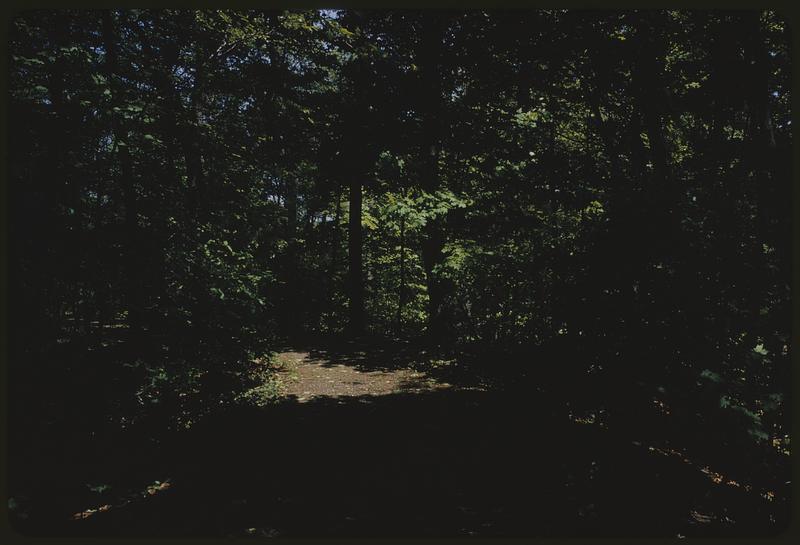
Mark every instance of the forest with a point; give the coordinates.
(399, 273)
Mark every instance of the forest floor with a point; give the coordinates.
(367, 441)
(304, 377)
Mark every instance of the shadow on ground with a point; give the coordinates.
(444, 463)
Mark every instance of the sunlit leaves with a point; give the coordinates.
(531, 118)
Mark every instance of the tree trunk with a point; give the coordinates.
(652, 95)
(432, 256)
(359, 156)
(292, 316)
(402, 287)
(762, 153)
(58, 142)
(354, 245)
(336, 235)
(172, 134)
(120, 135)
(192, 141)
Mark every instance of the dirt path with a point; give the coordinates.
(304, 378)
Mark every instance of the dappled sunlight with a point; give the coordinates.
(305, 377)
(153, 489)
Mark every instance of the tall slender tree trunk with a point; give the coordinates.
(663, 200)
(355, 251)
(292, 310)
(172, 134)
(57, 155)
(359, 156)
(336, 235)
(761, 131)
(762, 151)
(651, 96)
(192, 140)
(432, 256)
(120, 135)
(402, 287)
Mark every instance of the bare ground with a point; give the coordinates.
(304, 377)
